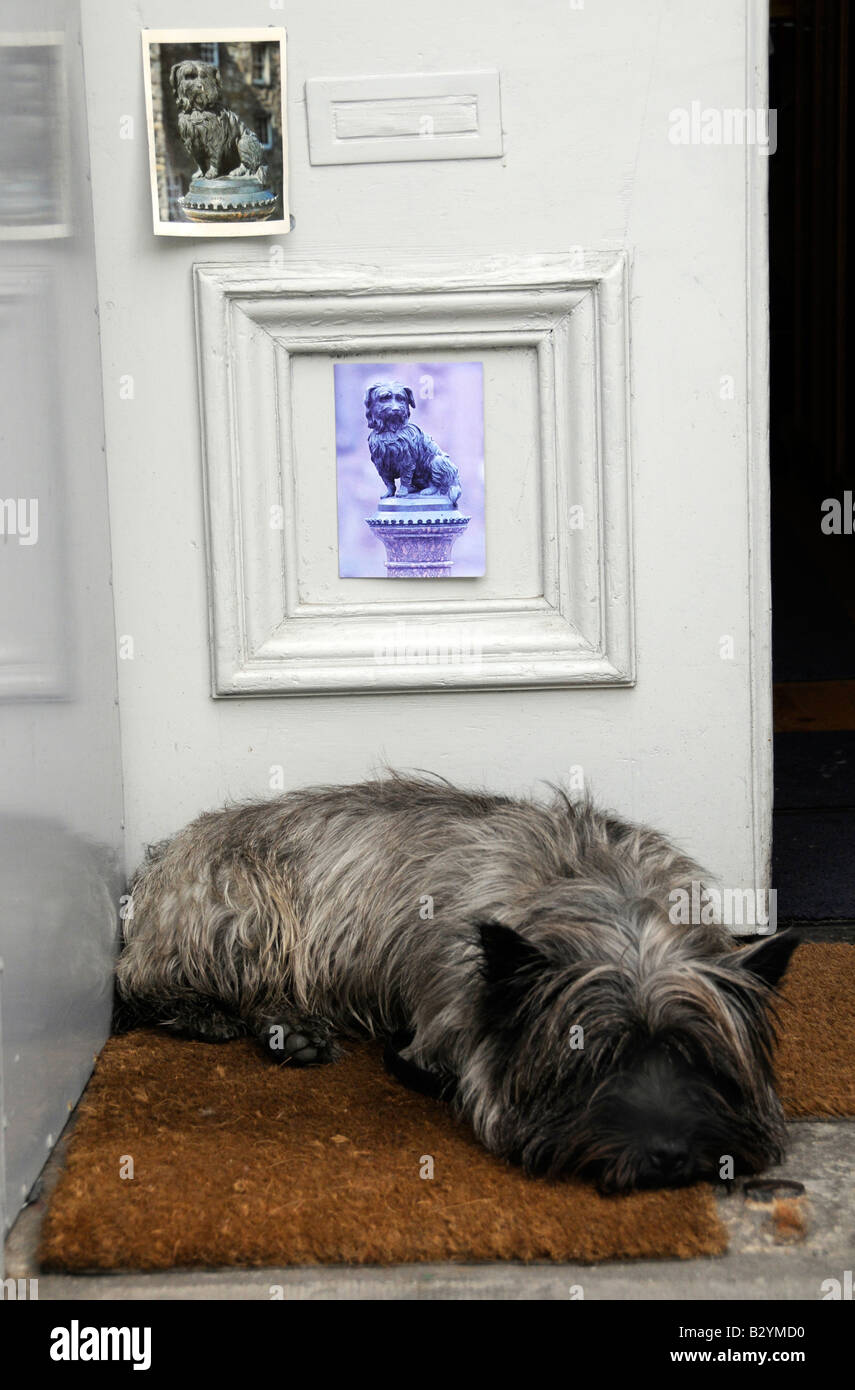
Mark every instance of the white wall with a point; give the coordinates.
(586, 95)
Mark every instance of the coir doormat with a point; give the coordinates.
(189, 1154)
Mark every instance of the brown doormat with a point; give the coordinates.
(815, 1059)
(236, 1162)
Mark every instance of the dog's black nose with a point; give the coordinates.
(666, 1156)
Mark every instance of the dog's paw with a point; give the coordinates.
(297, 1044)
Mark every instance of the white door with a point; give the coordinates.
(608, 269)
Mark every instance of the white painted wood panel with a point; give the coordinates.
(586, 99)
(255, 323)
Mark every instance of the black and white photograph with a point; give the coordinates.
(218, 149)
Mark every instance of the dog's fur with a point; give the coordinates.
(400, 450)
(215, 137)
(488, 931)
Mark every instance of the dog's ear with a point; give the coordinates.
(768, 962)
(173, 80)
(509, 960)
(368, 402)
(410, 397)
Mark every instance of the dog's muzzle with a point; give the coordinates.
(666, 1159)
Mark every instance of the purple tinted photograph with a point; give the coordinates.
(410, 470)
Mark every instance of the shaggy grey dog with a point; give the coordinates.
(523, 952)
(399, 449)
(215, 137)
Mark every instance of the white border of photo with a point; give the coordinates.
(277, 226)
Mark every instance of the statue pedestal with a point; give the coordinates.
(418, 533)
(228, 200)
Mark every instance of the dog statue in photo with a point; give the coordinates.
(547, 991)
(215, 137)
(401, 451)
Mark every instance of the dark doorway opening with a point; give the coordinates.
(813, 481)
